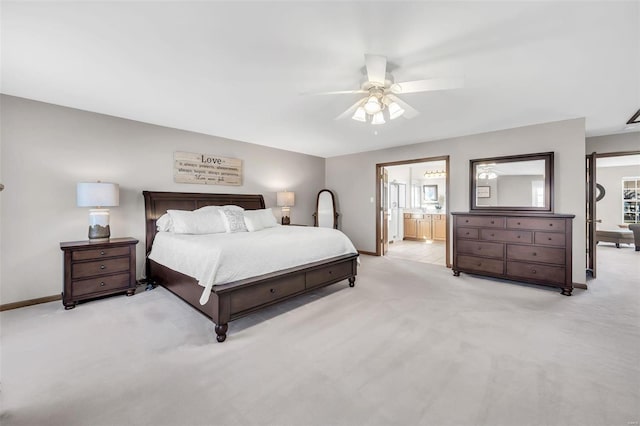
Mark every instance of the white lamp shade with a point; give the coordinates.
(372, 105)
(395, 110)
(98, 194)
(360, 115)
(285, 199)
(378, 118)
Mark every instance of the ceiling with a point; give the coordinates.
(240, 70)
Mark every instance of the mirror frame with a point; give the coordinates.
(335, 213)
(548, 182)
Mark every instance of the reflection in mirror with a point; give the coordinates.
(326, 215)
(522, 183)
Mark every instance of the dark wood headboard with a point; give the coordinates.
(157, 203)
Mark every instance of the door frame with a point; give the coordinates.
(379, 168)
(591, 247)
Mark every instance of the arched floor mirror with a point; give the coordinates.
(326, 215)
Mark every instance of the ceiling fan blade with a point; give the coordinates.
(409, 111)
(376, 68)
(337, 92)
(349, 112)
(427, 85)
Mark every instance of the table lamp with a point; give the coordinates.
(98, 195)
(286, 200)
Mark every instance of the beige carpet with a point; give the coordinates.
(410, 344)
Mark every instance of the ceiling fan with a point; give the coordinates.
(381, 92)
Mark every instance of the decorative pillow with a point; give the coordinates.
(233, 220)
(164, 223)
(256, 220)
(206, 221)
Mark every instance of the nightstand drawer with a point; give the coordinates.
(107, 266)
(96, 285)
(100, 253)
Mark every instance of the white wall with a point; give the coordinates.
(46, 149)
(609, 209)
(352, 177)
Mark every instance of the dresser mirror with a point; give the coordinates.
(514, 183)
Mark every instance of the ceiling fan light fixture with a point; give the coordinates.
(360, 115)
(378, 118)
(372, 106)
(395, 110)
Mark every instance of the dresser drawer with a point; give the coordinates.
(481, 221)
(100, 253)
(543, 273)
(255, 296)
(536, 254)
(507, 236)
(468, 233)
(542, 224)
(328, 273)
(549, 238)
(481, 248)
(99, 284)
(107, 266)
(479, 264)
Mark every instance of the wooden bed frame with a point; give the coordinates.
(236, 299)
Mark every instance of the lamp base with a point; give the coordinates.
(286, 220)
(99, 233)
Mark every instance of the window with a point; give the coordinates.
(631, 200)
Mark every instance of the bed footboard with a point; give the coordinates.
(237, 299)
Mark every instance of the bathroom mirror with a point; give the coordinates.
(513, 183)
(326, 215)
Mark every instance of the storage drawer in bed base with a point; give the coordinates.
(234, 300)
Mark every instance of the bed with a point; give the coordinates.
(231, 300)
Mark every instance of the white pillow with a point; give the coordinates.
(256, 220)
(164, 223)
(233, 220)
(201, 221)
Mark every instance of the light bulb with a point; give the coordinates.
(372, 106)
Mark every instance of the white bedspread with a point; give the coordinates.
(222, 258)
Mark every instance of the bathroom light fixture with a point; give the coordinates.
(432, 174)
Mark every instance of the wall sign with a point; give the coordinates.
(483, 191)
(189, 167)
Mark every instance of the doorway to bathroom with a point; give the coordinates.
(412, 202)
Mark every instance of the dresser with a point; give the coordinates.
(98, 269)
(532, 248)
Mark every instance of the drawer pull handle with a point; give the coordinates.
(549, 238)
(101, 266)
(518, 223)
(534, 253)
(492, 222)
(479, 248)
(467, 233)
(273, 290)
(493, 235)
(518, 236)
(479, 264)
(551, 224)
(102, 284)
(533, 271)
(102, 253)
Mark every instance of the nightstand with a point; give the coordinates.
(98, 269)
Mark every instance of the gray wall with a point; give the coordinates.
(609, 209)
(352, 177)
(46, 149)
(516, 190)
(629, 141)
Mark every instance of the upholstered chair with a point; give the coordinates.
(635, 227)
